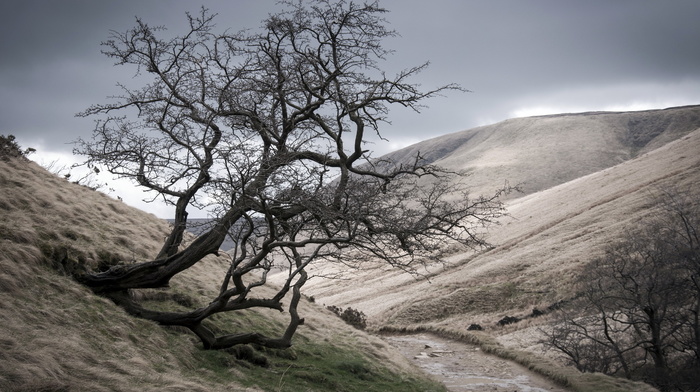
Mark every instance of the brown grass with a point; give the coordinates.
(56, 334)
(540, 250)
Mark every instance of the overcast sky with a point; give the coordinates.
(518, 57)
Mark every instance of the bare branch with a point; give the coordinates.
(267, 130)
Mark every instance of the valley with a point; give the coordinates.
(572, 206)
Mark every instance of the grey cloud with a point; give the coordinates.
(512, 53)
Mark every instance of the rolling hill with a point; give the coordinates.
(545, 151)
(586, 178)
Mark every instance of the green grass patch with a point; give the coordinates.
(312, 367)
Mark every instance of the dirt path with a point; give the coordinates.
(462, 367)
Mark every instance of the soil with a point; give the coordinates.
(463, 367)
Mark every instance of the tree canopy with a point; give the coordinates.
(268, 130)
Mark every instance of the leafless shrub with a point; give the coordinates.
(351, 316)
(640, 312)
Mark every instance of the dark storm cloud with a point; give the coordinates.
(517, 56)
(51, 66)
(522, 57)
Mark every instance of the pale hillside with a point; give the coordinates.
(57, 335)
(544, 151)
(538, 251)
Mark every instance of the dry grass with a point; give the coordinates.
(542, 152)
(56, 334)
(70, 223)
(540, 249)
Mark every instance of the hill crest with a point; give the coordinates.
(544, 151)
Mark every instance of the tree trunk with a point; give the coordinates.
(657, 350)
(158, 273)
(193, 320)
(285, 341)
(172, 243)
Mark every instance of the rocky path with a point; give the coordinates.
(462, 367)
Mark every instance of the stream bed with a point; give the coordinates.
(463, 367)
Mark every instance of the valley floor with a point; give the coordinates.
(463, 367)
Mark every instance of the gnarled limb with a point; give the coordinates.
(268, 131)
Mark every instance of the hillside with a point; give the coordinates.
(586, 182)
(553, 231)
(58, 336)
(544, 151)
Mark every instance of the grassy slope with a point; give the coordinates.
(540, 249)
(58, 336)
(545, 151)
(552, 234)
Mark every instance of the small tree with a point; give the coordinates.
(641, 301)
(268, 130)
(9, 148)
(680, 222)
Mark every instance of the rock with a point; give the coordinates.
(508, 320)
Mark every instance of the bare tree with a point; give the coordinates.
(268, 130)
(680, 222)
(641, 301)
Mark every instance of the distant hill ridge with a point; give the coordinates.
(540, 152)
